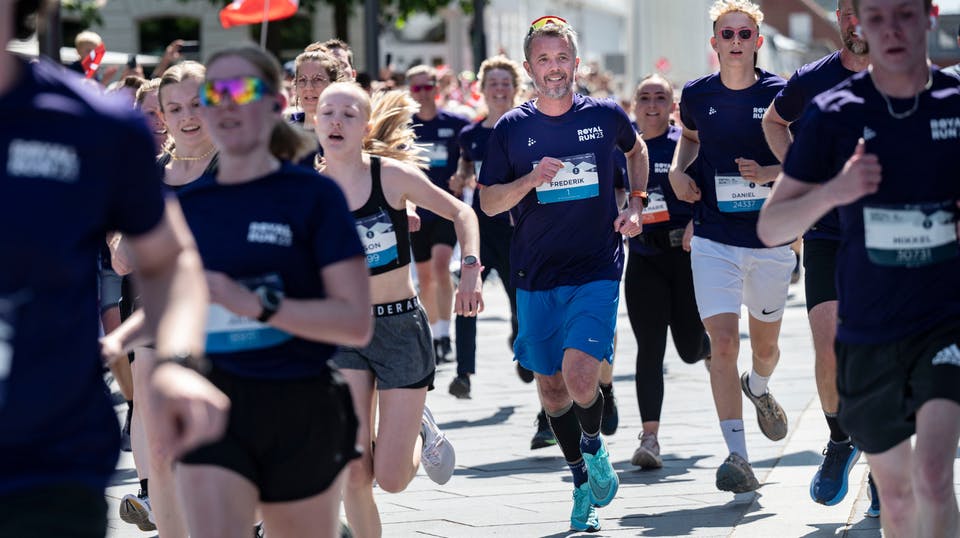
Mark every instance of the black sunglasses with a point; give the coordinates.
(743, 33)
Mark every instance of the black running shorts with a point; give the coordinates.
(437, 231)
(820, 270)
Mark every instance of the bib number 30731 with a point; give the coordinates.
(910, 235)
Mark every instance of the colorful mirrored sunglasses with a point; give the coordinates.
(543, 21)
(242, 90)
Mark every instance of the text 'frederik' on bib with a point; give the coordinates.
(577, 180)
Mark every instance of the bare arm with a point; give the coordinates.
(630, 222)
(495, 199)
(683, 185)
(777, 132)
(130, 334)
(794, 206)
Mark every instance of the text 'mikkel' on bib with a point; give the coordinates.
(656, 210)
(738, 195)
(910, 235)
(577, 180)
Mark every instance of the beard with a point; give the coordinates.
(856, 45)
(554, 92)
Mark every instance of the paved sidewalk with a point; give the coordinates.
(501, 488)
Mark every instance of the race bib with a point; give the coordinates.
(437, 153)
(656, 210)
(476, 168)
(738, 195)
(230, 333)
(577, 180)
(378, 238)
(910, 235)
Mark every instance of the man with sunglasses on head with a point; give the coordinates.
(898, 362)
(432, 245)
(550, 162)
(60, 439)
(821, 242)
(723, 163)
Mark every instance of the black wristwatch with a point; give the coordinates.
(469, 261)
(187, 360)
(270, 300)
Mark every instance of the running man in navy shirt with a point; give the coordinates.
(821, 242)
(437, 130)
(898, 362)
(550, 163)
(724, 164)
(64, 187)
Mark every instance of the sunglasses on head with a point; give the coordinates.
(743, 33)
(417, 88)
(242, 90)
(543, 21)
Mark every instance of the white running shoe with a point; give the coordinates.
(136, 510)
(438, 457)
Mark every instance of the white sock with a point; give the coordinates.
(734, 437)
(758, 383)
(442, 328)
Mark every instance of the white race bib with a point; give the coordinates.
(378, 238)
(910, 235)
(476, 168)
(228, 332)
(437, 153)
(738, 195)
(577, 180)
(656, 210)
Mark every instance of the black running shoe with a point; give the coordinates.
(442, 348)
(460, 387)
(544, 436)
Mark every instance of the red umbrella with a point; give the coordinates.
(257, 11)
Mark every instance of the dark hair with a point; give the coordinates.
(286, 143)
(927, 6)
(25, 17)
(328, 64)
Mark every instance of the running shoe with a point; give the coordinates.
(601, 477)
(135, 509)
(874, 509)
(584, 515)
(829, 485)
(611, 416)
(442, 349)
(772, 419)
(647, 455)
(736, 475)
(544, 436)
(438, 457)
(525, 375)
(460, 387)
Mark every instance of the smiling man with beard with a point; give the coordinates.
(821, 242)
(550, 162)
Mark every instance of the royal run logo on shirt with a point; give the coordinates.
(590, 133)
(271, 233)
(758, 112)
(44, 160)
(945, 128)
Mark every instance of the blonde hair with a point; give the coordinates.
(390, 114)
(421, 70)
(178, 73)
(87, 37)
(748, 8)
(500, 62)
(286, 143)
(151, 85)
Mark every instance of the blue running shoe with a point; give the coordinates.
(584, 515)
(829, 485)
(601, 477)
(874, 509)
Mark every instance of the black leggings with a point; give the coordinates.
(659, 293)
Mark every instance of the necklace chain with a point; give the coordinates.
(916, 99)
(174, 156)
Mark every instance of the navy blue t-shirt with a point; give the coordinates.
(664, 211)
(473, 147)
(808, 82)
(564, 232)
(73, 166)
(898, 261)
(278, 231)
(439, 137)
(729, 126)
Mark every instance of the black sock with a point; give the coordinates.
(607, 390)
(144, 489)
(590, 417)
(566, 428)
(837, 435)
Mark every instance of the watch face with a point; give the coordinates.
(470, 260)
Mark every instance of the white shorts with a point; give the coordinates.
(725, 277)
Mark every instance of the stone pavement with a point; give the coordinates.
(502, 488)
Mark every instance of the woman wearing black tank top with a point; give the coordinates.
(368, 150)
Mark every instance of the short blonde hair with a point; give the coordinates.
(87, 37)
(748, 8)
(421, 70)
(500, 62)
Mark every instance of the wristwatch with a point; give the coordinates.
(642, 195)
(270, 300)
(470, 261)
(187, 360)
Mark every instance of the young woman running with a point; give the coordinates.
(368, 151)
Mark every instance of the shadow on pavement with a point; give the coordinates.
(686, 521)
(500, 417)
(807, 457)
